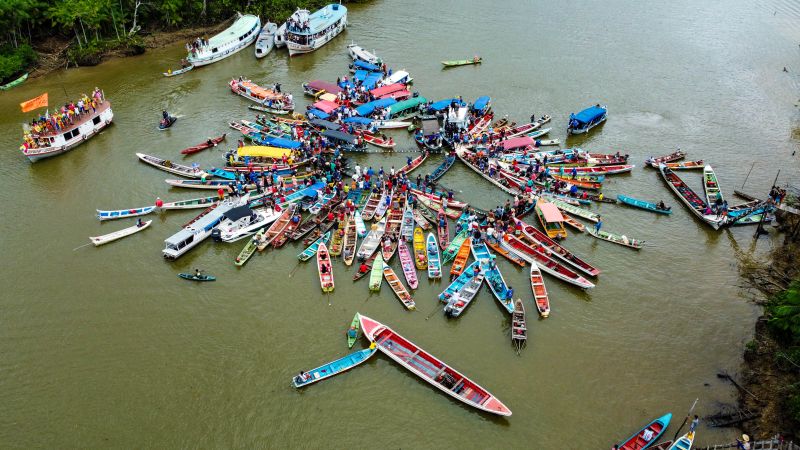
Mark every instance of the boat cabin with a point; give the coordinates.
(233, 221)
(587, 119)
(242, 33)
(344, 140)
(406, 108)
(551, 219)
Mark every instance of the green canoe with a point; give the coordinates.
(14, 83)
(249, 249)
(376, 276)
(462, 62)
(352, 332)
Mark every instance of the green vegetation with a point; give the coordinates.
(97, 26)
(783, 312)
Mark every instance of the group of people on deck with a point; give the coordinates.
(64, 117)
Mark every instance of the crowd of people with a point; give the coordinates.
(62, 118)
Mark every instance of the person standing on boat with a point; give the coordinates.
(598, 225)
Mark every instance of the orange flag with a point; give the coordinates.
(34, 103)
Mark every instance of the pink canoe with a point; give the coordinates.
(556, 249)
(543, 258)
(409, 271)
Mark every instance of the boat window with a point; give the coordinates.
(96, 120)
(241, 37)
(214, 50)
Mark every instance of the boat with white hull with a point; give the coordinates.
(64, 140)
(238, 36)
(242, 222)
(306, 32)
(199, 228)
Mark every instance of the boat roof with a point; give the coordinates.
(481, 103)
(321, 18)
(360, 75)
(238, 212)
(388, 89)
(329, 97)
(589, 114)
(550, 212)
(398, 75)
(326, 106)
(365, 65)
(430, 126)
(340, 136)
(324, 124)
(240, 27)
(358, 120)
(282, 142)
(263, 151)
(407, 104)
(367, 108)
(324, 86)
(517, 142)
(442, 104)
(317, 113)
(372, 80)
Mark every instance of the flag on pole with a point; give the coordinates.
(34, 103)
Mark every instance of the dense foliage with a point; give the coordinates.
(13, 58)
(97, 25)
(784, 312)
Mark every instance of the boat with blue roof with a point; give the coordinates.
(306, 32)
(587, 119)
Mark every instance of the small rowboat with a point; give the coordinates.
(544, 258)
(452, 248)
(420, 255)
(180, 71)
(574, 223)
(193, 277)
(398, 288)
(337, 240)
(368, 263)
(460, 261)
(361, 227)
(209, 184)
(407, 226)
(617, 239)
(390, 124)
(443, 167)
(195, 203)
(589, 185)
(539, 291)
(431, 369)
(200, 147)
(443, 229)
(124, 213)
(420, 219)
(575, 210)
(350, 241)
(690, 198)
(277, 227)
(493, 276)
(434, 263)
(14, 83)
(352, 332)
(249, 249)
(605, 170)
(506, 254)
(462, 62)
(106, 238)
(519, 328)
(462, 290)
(687, 165)
(376, 273)
(555, 249)
(167, 123)
(368, 212)
(311, 250)
(672, 157)
(684, 442)
(372, 241)
(436, 198)
(642, 204)
(378, 141)
(437, 206)
(333, 368)
(171, 167)
(644, 437)
(711, 186)
(283, 237)
(413, 164)
(325, 269)
(406, 262)
(383, 206)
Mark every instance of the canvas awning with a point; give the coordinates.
(517, 142)
(263, 151)
(550, 212)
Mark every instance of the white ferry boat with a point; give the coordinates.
(241, 34)
(199, 228)
(57, 141)
(307, 32)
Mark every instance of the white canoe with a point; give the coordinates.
(106, 238)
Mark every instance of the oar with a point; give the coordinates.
(685, 419)
(84, 245)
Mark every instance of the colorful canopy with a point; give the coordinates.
(320, 85)
(388, 89)
(329, 97)
(311, 113)
(481, 103)
(358, 120)
(367, 108)
(372, 80)
(589, 114)
(550, 212)
(360, 75)
(340, 136)
(442, 104)
(326, 106)
(517, 142)
(405, 105)
(281, 142)
(263, 151)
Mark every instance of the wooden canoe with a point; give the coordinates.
(540, 255)
(276, 228)
(372, 241)
(429, 368)
(378, 141)
(506, 254)
(420, 219)
(373, 201)
(443, 229)
(434, 262)
(368, 263)
(711, 185)
(497, 284)
(616, 239)
(337, 238)
(624, 199)
(352, 332)
(452, 248)
(539, 291)
(420, 255)
(519, 327)
(573, 223)
(200, 147)
(398, 288)
(413, 164)
(350, 241)
(249, 248)
(333, 368)
(169, 166)
(644, 437)
(126, 213)
(376, 273)
(407, 263)
(537, 237)
(687, 165)
(672, 157)
(325, 268)
(460, 261)
(462, 62)
(110, 237)
(311, 250)
(459, 294)
(283, 237)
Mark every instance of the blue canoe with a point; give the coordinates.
(642, 204)
(219, 173)
(124, 213)
(656, 429)
(587, 119)
(333, 368)
(459, 282)
(443, 167)
(481, 103)
(493, 276)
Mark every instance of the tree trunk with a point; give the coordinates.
(203, 12)
(86, 39)
(114, 21)
(77, 36)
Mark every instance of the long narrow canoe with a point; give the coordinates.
(361, 227)
(462, 62)
(436, 206)
(453, 247)
(333, 368)
(169, 166)
(397, 287)
(540, 238)
(443, 168)
(368, 265)
(372, 241)
(436, 197)
(350, 241)
(324, 268)
(413, 164)
(277, 227)
(376, 274)
(539, 291)
(493, 276)
(337, 239)
(693, 201)
(311, 250)
(653, 431)
(672, 157)
(194, 203)
(687, 165)
(616, 238)
(462, 290)
(519, 327)
(407, 225)
(193, 277)
(249, 249)
(407, 263)
(420, 219)
(352, 332)
(512, 257)
(684, 442)
(383, 206)
(211, 142)
(443, 229)
(14, 83)
(434, 262)
(125, 213)
(110, 237)
(368, 212)
(711, 185)
(624, 199)
(569, 220)
(420, 254)
(431, 369)
(538, 254)
(575, 210)
(460, 260)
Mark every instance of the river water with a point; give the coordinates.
(106, 347)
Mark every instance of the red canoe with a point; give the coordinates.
(536, 236)
(544, 258)
(204, 145)
(431, 369)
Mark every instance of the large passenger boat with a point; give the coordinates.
(306, 32)
(59, 132)
(241, 34)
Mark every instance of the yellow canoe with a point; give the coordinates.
(263, 151)
(420, 255)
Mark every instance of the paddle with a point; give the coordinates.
(84, 245)
(685, 419)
